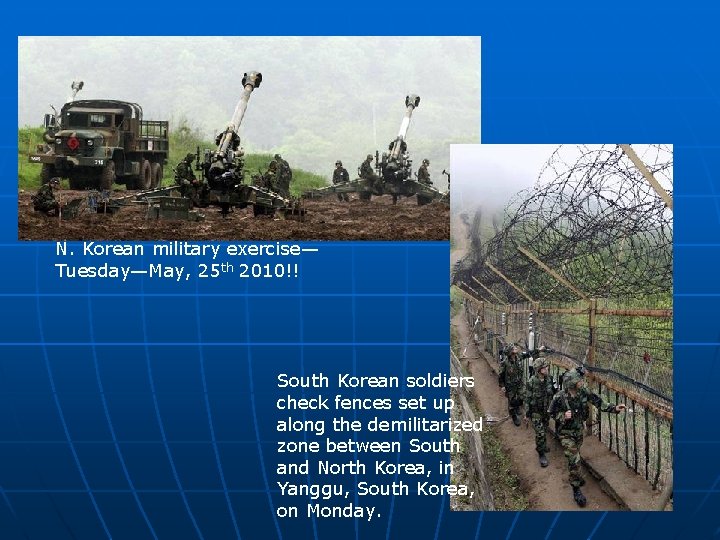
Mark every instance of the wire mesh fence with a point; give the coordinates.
(627, 351)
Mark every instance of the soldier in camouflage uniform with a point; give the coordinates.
(511, 383)
(366, 172)
(44, 200)
(423, 174)
(341, 176)
(571, 408)
(284, 176)
(271, 178)
(190, 186)
(539, 394)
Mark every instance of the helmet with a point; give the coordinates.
(277, 156)
(190, 157)
(273, 165)
(338, 163)
(540, 363)
(369, 156)
(55, 181)
(426, 161)
(571, 379)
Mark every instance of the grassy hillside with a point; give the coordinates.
(28, 173)
(182, 141)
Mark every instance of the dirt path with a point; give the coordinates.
(546, 489)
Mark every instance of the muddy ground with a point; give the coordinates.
(325, 219)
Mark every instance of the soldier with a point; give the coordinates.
(539, 394)
(579, 371)
(341, 176)
(571, 408)
(366, 172)
(423, 174)
(44, 200)
(190, 186)
(284, 176)
(271, 177)
(511, 383)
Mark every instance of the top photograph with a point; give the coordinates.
(226, 138)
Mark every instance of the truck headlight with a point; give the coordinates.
(90, 142)
(58, 141)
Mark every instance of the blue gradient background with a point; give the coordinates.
(146, 410)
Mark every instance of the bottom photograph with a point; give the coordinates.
(561, 310)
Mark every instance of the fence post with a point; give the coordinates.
(592, 324)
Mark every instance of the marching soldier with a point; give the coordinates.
(341, 176)
(571, 408)
(511, 383)
(538, 397)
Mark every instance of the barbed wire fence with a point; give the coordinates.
(583, 265)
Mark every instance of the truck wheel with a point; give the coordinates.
(157, 175)
(145, 180)
(107, 177)
(46, 173)
(365, 195)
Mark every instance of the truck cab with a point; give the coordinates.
(97, 143)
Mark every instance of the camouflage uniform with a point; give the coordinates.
(570, 430)
(367, 172)
(539, 394)
(511, 377)
(271, 179)
(283, 177)
(423, 174)
(44, 200)
(341, 176)
(190, 186)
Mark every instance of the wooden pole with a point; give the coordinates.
(488, 290)
(518, 289)
(592, 327)
(552, 272)
(664, 195)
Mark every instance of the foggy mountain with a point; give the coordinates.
(321, 99)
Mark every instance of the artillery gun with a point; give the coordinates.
(395, 167)
(223, 169)
(394, 171)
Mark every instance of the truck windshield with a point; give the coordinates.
(77, 120)
(83, 119)
(100, 120)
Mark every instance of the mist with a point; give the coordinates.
(321, 99)
(485, 178)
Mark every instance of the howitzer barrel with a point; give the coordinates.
(411, 103)
(76, 86)
(250, 82)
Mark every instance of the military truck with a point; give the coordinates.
(97, 143)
